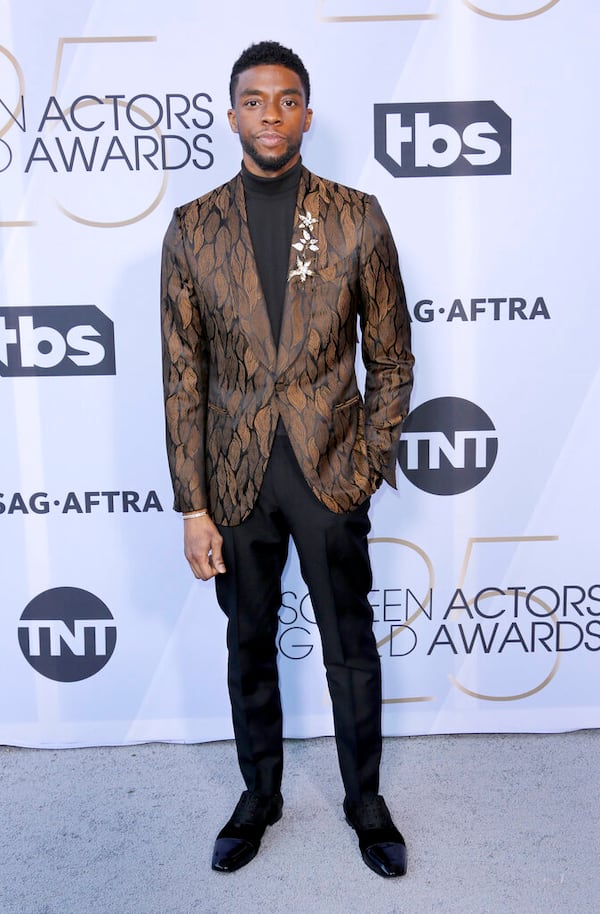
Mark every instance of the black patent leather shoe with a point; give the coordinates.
(381, 844)
(239, 840)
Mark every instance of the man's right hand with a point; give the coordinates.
(203, 547)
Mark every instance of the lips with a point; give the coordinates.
(270, 139)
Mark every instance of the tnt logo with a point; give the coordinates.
(67, 634)
(443, 138)
(56, 340)
(448, 446)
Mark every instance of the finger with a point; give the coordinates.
(199, 562)
(216, 558)
(203, 567)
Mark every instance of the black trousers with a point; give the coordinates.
(334, 562)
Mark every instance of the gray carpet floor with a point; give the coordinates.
(501, 824)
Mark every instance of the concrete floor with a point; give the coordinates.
(501, 824)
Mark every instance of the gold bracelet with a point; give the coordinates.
(203, 513)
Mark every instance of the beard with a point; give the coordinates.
(272, 163)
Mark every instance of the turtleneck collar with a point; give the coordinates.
(272, 187)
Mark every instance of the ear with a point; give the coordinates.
(307, 120)
(232, 120)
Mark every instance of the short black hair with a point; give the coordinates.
(268, 52)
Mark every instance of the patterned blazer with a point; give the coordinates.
(226, 383)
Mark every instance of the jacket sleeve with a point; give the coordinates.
(385, 328)
(185, 373)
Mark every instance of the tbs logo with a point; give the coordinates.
(448, 446)
(443, 138)
(67, 634)
(56, 340)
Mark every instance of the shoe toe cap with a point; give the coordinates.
(386, 858)
(230, 854)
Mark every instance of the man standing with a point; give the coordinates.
(264, 281)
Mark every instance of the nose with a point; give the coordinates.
(271, 114)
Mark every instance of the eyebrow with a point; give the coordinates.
(245, 92)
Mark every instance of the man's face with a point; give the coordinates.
(270, 116)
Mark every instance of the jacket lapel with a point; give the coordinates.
(299, 296)
(246, 287)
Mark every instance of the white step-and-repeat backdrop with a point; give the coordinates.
(475, 125)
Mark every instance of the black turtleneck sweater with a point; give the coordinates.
(270, 204)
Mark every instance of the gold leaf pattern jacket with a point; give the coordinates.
(226, 384)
